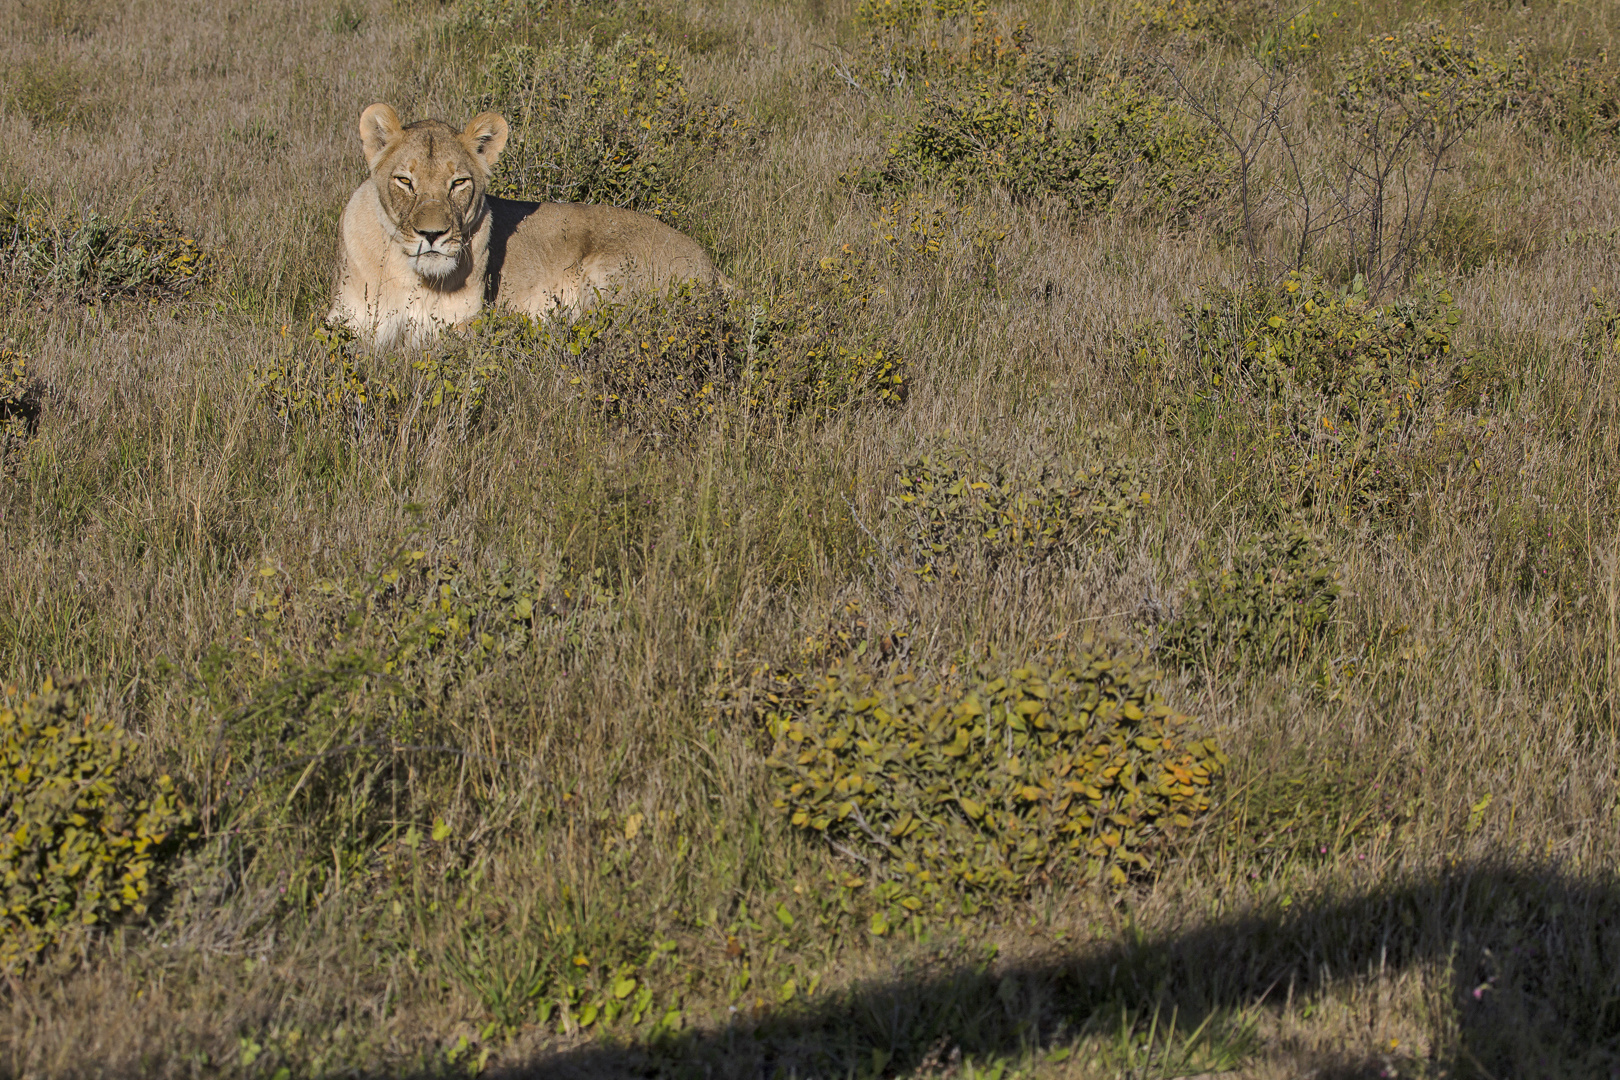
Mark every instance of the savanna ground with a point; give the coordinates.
(1252, 367)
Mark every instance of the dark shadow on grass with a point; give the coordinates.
(1533, 956)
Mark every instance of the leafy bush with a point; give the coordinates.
(907, 15)
(1236, 22)
(667, 364)
(1351, 394)
(950, 42)
(19, 406)
(77, 850)
(1215, 21)
(95, 257)
(494, 16)
(1011, 139)
(957, 506)
(1275, 600)
(339, 704)
(921, 233)
(1579, 100)
(614, 125)
(330, 377)
(1370, 363)
(994, 778)
(1442, 76)
(673, 363)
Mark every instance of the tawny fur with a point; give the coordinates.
(423, 246)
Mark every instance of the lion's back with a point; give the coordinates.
(548, 255)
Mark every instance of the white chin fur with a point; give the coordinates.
(434, 264)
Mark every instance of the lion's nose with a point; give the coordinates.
(431, 236)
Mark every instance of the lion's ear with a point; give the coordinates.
(379, 126)
(486, 136)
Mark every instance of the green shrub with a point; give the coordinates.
(957, 507)
(94, 257)
(672, 364)
(1214, 21)
(994, 778)
(916, 44)
(1273, 603)
(19, 406)
(1375, 364)
(342, 704)
(1125, 138)
(1434, 74)
(668, 364)
(606, 125)
(920, 234)
(908, 15)
(1580, 101)
(1353, 396)
(77, 848)
(1235, 22)
(330, 378)
(505, 16)
(1437, 75)
(1282, 44)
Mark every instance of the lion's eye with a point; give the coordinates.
(403, 181)
(460, 182)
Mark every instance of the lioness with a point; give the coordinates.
(422, 246)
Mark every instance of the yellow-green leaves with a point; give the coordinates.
(675, 364)
(77, 848)
(329, 378)
(606, 124)
(958, 505)
(1010, 137)
(19, 406)
(367, 666)
(1001, 775)
(1344, 395)
(94, 257)
(1276, 599)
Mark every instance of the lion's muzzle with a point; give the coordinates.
(435, 249)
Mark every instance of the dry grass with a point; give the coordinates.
(1412, 871)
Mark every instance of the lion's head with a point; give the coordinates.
(430, 181)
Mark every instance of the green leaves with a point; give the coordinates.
(95, 257)
(987, 781)
(1436, 74)
(19, 406)
(612, 124)
(957, 506)
(323, 714)
(1349, 393)
(76, 849)
(1010, 138)
(330, 379)
(673, 364)
(1276, 599)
